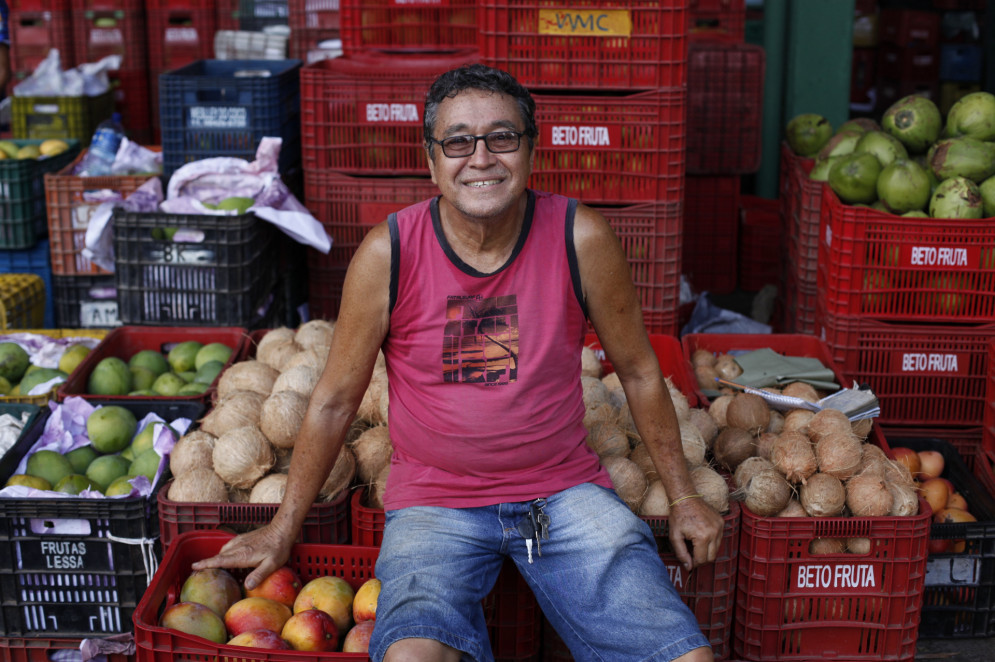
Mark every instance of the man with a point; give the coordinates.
(478, 299)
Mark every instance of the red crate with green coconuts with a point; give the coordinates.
(914, 164)
(153, 362)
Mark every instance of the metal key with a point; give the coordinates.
(526, 527)
(540, 522)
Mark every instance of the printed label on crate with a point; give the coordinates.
(945, 363)
(834, 576)
(106, 37)
(170, 253)
(82, 215)
(217, 117)
(63, 554)
(181, 35)
(586, 22)
(270, 10)
(69, 615)
(958, 570)
(947, 257)
(373, 112)
(371, 213)
(678, 576)
(581, 136)
(98, 314)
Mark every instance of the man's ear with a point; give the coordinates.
(431, 164)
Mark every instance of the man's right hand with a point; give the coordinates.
(266, 549)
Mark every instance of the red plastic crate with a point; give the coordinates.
(717, 20)
(879, 265)
(125, 341)
(363, 115)
(93, 41)
(923, 374)
(367, 523)
(863, 75)
(786, 344)
(792, 605)
(908, 63)
(711, 232)
(909, 27)
(616, 149)
(179, 33)
(725, 108)
(891, 90)
(411, 26)
(586, 45)
(760, 258)
(799, 302)
(36, 27)
(45, 649)
(672, 364)
(986, 457)
(154, 643)
(311, 22)
(325, 522)
(132, 100)
(227, 14)
(69, 214)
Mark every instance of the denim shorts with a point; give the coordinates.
(600, 580)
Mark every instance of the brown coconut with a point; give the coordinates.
(373, 450)
(236, 495)
(712, 487)
(801, 390)
(603, 413)
(765, 442)
(748, 468)
(702, 357)
(796, 420)
(862, 428)
(626, 422)
(838, 454)
(858, 546)
(727, 367)
(269, 489)
(867, 495)
(276, 346)
(904, 500)
(656, 503)
(301, 379)
(776, 424)
(595, 392)
(607, 438)
(640, 454)
(717, 410)
(242, 456)
(706, 375)
(341, 475)
(315, 334)
(692, 444)
(193, 450)
(872, 458)
(705, 424)
(306, 357)
(793, 509)
(749, 412)
(281, 417)
(823, 546)
(823, 495)
(375, 494)
(248, 375)
(615, 391)
(590, 364)
(199, 485)
(793, 456)
(370, 409)
(284, 456)
(732, 446)
(680, 401)
(767, 493)
(828, 422)
(629, 481)
(237, 410)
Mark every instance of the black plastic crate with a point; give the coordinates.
(215, 271)
(85, 302)
(23, 221)
(959, 595)
(74, 566)
(225, 107)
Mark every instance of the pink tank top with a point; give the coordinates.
(486, 404)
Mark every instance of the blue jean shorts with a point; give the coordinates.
(600, 580)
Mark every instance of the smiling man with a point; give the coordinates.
(479, 299)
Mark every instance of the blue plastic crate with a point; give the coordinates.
(36, 261)
(224, 107)
(961, 63)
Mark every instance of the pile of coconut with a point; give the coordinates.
(612, 434)
(241, 450)
(805, 464)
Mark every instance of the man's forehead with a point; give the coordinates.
(501, 110)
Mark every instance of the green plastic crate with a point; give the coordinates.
(60, 117)
(22, 195)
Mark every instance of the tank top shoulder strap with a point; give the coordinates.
(572, 253)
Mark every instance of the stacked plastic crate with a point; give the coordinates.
(725, 110)
(312, 24)
(908, 55)
(609, 80)
(37, 26)
(117, 27)
(179, 32)
(961, 55)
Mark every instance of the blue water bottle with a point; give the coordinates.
(103, 147)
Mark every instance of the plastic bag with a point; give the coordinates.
(49, 80)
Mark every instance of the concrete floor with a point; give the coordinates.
(956, 650)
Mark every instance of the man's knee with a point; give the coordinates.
(420, 650)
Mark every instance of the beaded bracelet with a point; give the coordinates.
(689, 496)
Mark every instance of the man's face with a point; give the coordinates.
(483, 185)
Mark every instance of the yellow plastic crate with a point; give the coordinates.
(22, 301)
(42, 400)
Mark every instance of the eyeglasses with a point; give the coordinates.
(498, 142)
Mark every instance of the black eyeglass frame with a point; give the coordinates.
(476, 139)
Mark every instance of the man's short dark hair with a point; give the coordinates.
(478, 77)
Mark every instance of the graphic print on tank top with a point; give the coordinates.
(480, 340)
